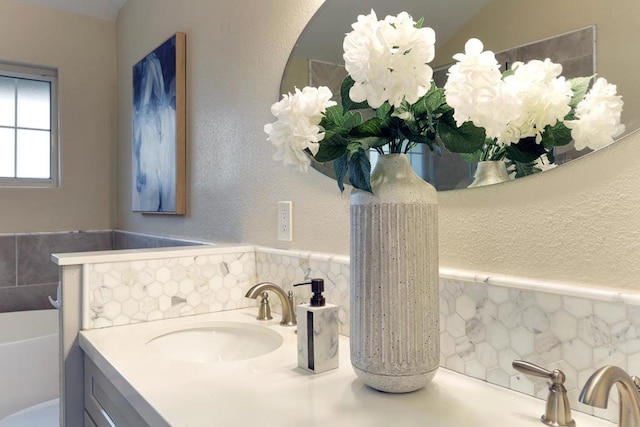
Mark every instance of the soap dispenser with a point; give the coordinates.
(317, 331)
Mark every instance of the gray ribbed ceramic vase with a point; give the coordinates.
(395, 337)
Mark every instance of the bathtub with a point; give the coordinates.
(28, 359)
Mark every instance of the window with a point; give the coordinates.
(28, 126)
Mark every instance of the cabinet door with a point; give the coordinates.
(103, 402)
(88, 421)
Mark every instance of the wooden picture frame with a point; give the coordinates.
(159, 130)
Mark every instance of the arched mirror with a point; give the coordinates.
(585, 36)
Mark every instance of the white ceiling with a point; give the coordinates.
(103, 9)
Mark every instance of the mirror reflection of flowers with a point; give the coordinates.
(387, 64)
(529, 109)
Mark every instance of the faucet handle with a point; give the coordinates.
(528, 368)
(557, 412)
(264, 312)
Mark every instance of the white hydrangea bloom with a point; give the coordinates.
(388, 60)
(597, 117)
(519, 106)
(543, 97)
(298, 125)
(474, 90)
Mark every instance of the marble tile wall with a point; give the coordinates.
(286, 268)
(485, 323)
(485, 326)
(27, 275)
(136, 291)
(124, 292)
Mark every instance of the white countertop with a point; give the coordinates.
(271, 390)
(95, 257)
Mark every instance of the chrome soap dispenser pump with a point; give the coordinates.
(317, 331)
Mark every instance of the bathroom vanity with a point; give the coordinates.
(118, 308)
(164, 390)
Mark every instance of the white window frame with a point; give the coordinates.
(49, 75)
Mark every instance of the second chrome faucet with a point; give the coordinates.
(288, 310)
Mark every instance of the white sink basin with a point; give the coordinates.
(215, 342)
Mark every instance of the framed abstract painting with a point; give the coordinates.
(159, 130)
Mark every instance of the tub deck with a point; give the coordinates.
(29, 353)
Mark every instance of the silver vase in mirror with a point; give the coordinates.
(489, 173)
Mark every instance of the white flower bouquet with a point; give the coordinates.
(517, 116)
(529, 109)
(388, 65)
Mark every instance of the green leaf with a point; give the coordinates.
(464, 139)
(354, 146)
(525, 151)
(422, 139)
(333, 137)
(340, 167)
(352, 120)
(556, 136)
(579, 86)
(372, 142)
(434, 99)
(347, 103)
(412, 132)
(551, 156)
(471, 157)
(372, 127)
(524, 169)
(384, 111)
(507, 73)
(419, 23)
(408, 126)
(333, 117)
(360, 171)
(326, 152)
(402, 109)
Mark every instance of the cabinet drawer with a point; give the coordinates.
(88, 422)
(104, 404)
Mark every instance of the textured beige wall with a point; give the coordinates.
(578, 223)
(83, 50)
(236, 52)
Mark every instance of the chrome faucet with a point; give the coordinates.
(288, 310)
(596, 393)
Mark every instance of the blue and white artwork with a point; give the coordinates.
(158, 129)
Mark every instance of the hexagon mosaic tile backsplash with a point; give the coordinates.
(138, 291)
(484, 326)
(287, 268)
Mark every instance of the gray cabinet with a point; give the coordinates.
(104, 405)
